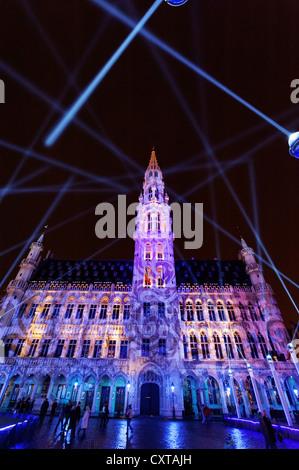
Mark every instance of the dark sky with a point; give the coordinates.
(50, 51)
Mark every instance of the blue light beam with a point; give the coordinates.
(56, 132)
(199, 71)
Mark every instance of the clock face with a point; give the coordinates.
(176, 3)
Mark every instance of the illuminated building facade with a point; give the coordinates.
(162, 334)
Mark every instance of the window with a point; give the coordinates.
(146, 309)
(126, 311)
(220, 311)
(218, 348)
(162, 347)
(148, 251)
(45, 348)
(97, 348)
(199, 311)
(252, 345)
(228, 346)
(230, 311)
(59, 348)
(69, 310)
(149, 222)
(211, 311)
(242, 311)
(145, 348)
(103, 311)
(92, 311)
(123, 349)
(185, 346)
(33, 347)
(252, 312)
(19, 347)
(147, 277)
(56, 311)
(193, 347)
(158, 225)
(33, 310)
(80, 310)
(45, 310)
(159, 251)
(161, 309)
(160, 277)
(204, 346)
(263, 346)
(182, 311)
(189, 310)
(8, 344)
(239, 346)
(115, 311)
(111, 348)
(22, 309)
(85, 348)
(150, 193)
(72, 347)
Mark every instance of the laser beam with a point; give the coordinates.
(56, 132)
(198, 70)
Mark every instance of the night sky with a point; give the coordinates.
(51, 50)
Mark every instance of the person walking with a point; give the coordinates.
(207, 413)
(264, 430)
(61, 417)
(271, 431)
(53, 409)
(84, 422)
(73, 421)
(105, 416)
(43, 410)
(129, 416)
(67, 413)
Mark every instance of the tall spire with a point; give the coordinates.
(153, 164)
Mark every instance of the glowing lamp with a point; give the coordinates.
(296, 392)
(294, 144)
(128, 386)
(176, 3)
(172, 387)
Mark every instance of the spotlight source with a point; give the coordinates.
(294, 144)
(176, 3)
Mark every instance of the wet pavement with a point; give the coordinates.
(152, 433)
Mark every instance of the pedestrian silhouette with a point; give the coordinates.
(43, 410)
(84, 422)
(53, 409)
(129, 416)
(61, 417)
(105, 416)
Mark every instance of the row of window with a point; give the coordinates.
(148, 251)
(193, 347)
(86, 348)
(79, 311)
(190, 313)
(149, 277)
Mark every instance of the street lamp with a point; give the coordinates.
(173, 410)
(128, 392)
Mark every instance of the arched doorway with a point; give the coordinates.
(190, 397)
(150, 399)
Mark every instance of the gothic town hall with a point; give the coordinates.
(163, 335)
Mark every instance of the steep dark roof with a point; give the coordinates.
(108, 271)
(200, 272)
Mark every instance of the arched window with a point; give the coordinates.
(160, 277)
(242, 311)
(250, 391)
(185, 346)
(218, 348)
(228, 346)
(193, 347)
(150, 193)
(147, 277)
(252, 345)
(148, 251)
(189, 311)
(182, 311)
(230, 311)
(159, 251)
(263, 345)
(252, 311)
(220, 310)
(213, 390)
(149, 222)
(204, 345)
(103, 311)
(211, 311)
(116, 310)
(199, 310)
(239, 346)
(158, 222)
